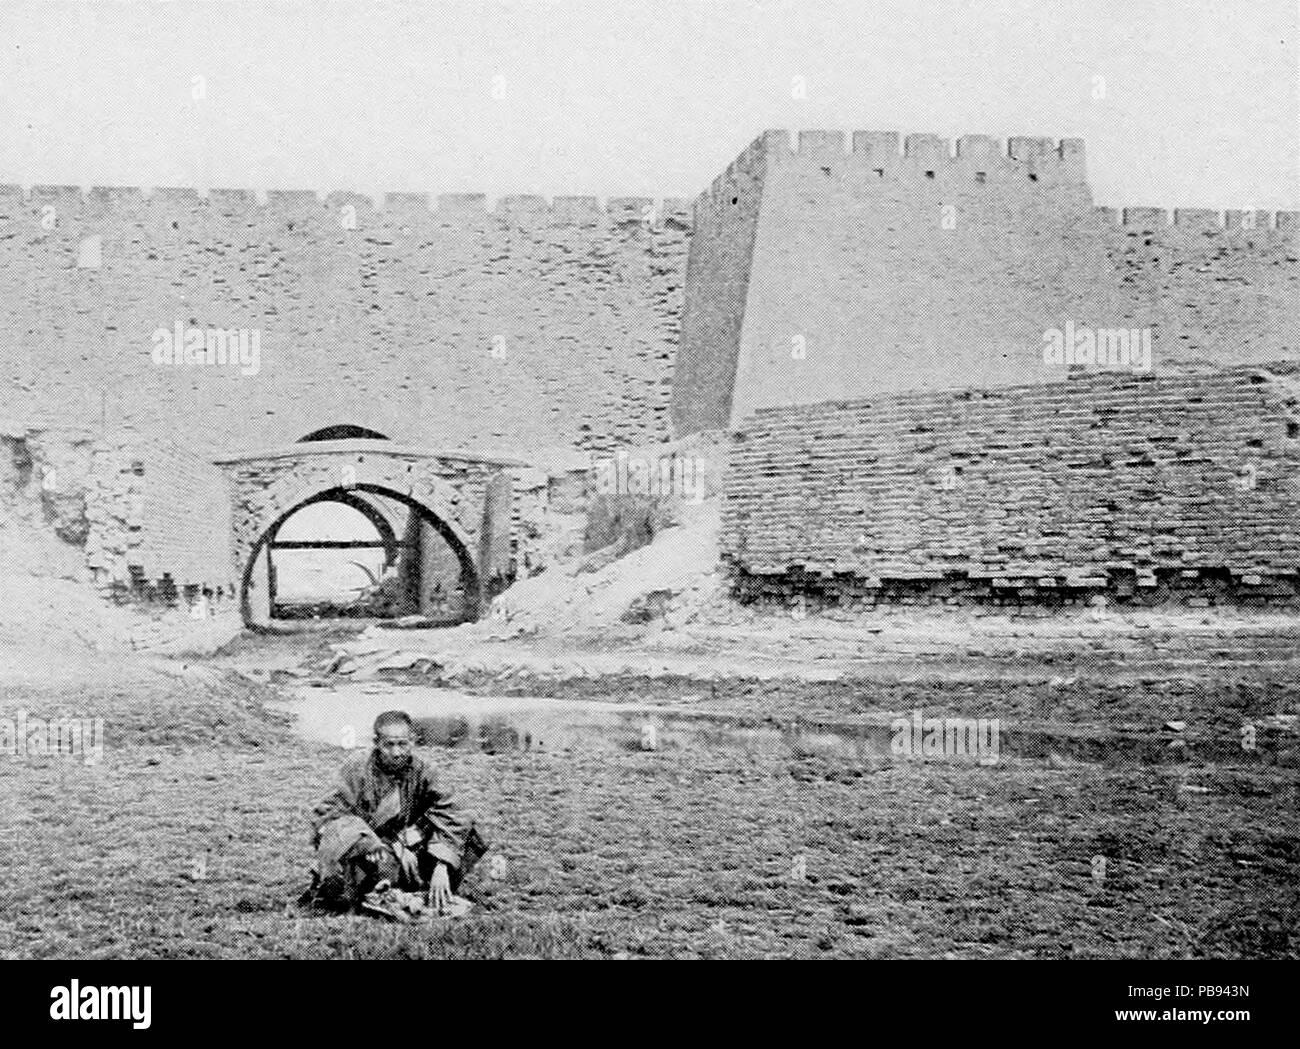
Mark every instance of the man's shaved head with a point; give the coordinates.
(393, 718)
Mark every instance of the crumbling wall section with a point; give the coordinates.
(549, 516)
(121, 541)
(1135, 487)
(167, 519)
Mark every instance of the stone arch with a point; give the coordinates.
(273, 487)
(462, 498)
(461, 545)
(343, 432)
(367, 509)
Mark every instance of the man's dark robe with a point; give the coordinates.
(401, 815)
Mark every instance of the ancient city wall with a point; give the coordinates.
(1132, 486)
(530, 324)
(876, 269)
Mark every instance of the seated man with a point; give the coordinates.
(386, 821)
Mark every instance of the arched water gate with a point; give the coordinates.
(462, 496)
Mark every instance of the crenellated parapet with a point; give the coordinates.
(350, 209)
(1239, 222)
(922, 156)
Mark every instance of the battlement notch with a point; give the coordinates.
(628, 209)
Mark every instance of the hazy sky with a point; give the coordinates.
(1198, 98)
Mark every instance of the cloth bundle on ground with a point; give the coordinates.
(393, 904)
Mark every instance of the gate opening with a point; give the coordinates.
(361, 555)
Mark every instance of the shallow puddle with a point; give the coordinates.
(446, 718)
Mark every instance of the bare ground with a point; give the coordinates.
(189, 840)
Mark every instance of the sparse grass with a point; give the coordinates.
(189, 840)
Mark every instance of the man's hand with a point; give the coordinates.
(376, 858)
(440, 889)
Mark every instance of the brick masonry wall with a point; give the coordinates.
(159, 520)
(141, 523)
(1213, 291)
(1102, 483)
(549, 518)
(129, 508)
(185, 517)
(387, 318)
(717, 283)
(876, 269)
